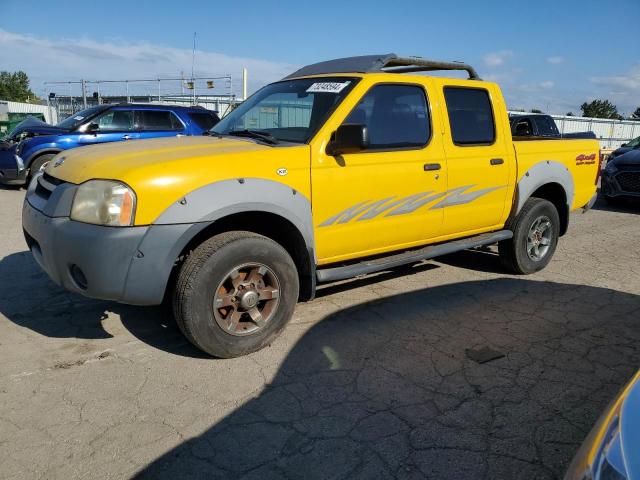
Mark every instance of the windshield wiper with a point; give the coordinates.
(257, 134)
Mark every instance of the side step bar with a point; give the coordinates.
(332, 274)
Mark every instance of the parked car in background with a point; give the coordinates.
(621, 177)
(625, 147)
(612, 450)
(383, 169)
(33, 142)
(540, 125)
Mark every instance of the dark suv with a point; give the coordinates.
(33, 143)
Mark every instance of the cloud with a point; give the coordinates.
(555, 60)
(628, 81)
(547, 84)
(496, 59)
(70, 59)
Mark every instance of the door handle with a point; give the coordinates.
(496, 161)
(126, 137)
(429, 167)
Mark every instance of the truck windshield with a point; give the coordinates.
(76, 119)
(288, 111)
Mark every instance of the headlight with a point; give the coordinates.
(611, 167)
(104, 202)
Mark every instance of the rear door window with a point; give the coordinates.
(470, 116)
(158, 120)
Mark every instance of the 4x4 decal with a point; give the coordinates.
(370, 209)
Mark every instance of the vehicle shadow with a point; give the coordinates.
(29, 299)
(385, 389)
(625, 206)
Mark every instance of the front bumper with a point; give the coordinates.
(124, 264)
(12, 171)
(622, 183)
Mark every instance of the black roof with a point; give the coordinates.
(389, 62)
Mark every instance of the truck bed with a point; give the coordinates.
(580, 156)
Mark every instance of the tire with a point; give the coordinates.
(235, 270)
(37, 163)
(515, 254)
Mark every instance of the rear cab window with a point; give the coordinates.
(546, 126)
(470, 116)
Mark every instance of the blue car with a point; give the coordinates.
(612, 450)
(33, 143)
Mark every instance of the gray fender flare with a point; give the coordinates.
(542, 173)
(172, 231)
(220, 199)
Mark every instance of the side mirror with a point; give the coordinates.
(623, 145)
(92, 127)
(348, 138)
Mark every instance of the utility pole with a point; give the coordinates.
(244, 84)
(193, 62)
(84, 93)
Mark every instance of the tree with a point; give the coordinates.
(569, 114)
(14, 87)
(535, 110)
(600, 109)
(636, 115)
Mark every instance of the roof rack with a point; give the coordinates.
(389, 62)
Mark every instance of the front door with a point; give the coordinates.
(378, 199)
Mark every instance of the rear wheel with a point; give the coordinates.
(535, 237)
(235, 293)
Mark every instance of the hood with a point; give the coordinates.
(163, 170)
(37, 127)
(127, 160)
(630, 158)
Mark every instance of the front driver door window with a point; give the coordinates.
(112, 126)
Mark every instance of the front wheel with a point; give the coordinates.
(535, 238)
(235, 293)
(37, 164)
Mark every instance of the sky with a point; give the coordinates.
(550, 55)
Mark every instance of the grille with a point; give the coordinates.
(629, 181)
(46, 185)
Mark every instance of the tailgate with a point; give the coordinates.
(581, 157)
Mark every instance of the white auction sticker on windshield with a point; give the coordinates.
(327, 87)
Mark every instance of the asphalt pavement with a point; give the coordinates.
(446, 369)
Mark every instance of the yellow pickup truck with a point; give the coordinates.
(343, 168)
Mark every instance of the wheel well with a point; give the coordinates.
(40, 154)
(272, 226)
(554, 192)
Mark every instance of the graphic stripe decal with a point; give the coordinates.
(367, 210)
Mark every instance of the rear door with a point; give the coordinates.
(478, 159)
(159, 123)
